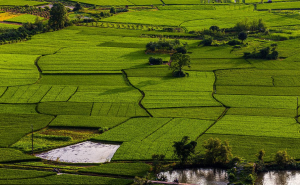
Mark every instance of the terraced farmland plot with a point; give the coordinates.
(258, 90)
(161, 141)
(11, 174)
(187, 7)
(13, 155)
(118, 110)
(18, 69)
(145, 2)
(19, 126)
(172, 92)
(257, 126)
(87, 121)
(3, 25)
(248, 146)
(65, 108)
(280, 6)
(207, 113)
(18, 108)
(215, 64)
(20, 3)
(24, 18)
(249, 101)
(105, 2)
(292, 113)
(134, 129)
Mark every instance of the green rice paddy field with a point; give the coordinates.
(86, 77)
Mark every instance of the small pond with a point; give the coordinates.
(279, 178)
(85, 152)
(51, 5)
(203, 176)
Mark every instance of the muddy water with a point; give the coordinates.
(203, 176)
(279, 178)
(85, 152)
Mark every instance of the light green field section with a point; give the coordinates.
(187, 7)
(13, 155)
(292, 113)
(248, 146)
(126, 169)
(87, 121)
(20, 3)
(18, 108)
(20, 125)
(3, 25)
(217, 53)
(217, 64)
(280, 6)
(161, 141)
(163, 92)
(249, 101)
(257, 126)
(18, 69)
(145, 2)
(105, 2)
(11, 174)
(209, 113)
(65, 108)
(25, 18)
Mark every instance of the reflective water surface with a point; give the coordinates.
(279, 178)
(203, 176)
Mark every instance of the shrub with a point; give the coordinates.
(113, 10)
(207, 41)
(234, 42)
(217, 151)
(214, 28)
(282, 158)
(155, 61)
(242, 36)
(181, 49)
(103, 129)
(260, 155)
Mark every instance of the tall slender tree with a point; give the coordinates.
(58, 17)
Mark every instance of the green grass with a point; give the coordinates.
(133, 129)
(59, 93)
(24, 18)
(210, 113)
(18, 108)
(64, 108)
(18, 69)
(262, 112)
(105, 2)
(15, 127)
(187, 7)
(70, 179)
(20, 3)
(161, 141)
(257, 126)
(250, 101)
(248, 146)
(126, 169)
(12, 174)
(87, 121)
(13, 155)
(3, 25)
(217, 64)
(280, 6)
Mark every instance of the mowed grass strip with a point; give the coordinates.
(86, 121)
(133, 129)
(64, 108)
(257, 126)
(252, 101)
(209, 113)
(13, 155)
(248, 146)
(70, 179)
(125, 169)
(11, 174)
(20, 125)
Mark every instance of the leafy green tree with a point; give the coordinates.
(157, 162)
(113, 10)
(177, 62)
(260, 155)
(242, 36)
(58, 17)
(77, 7)
(217, 151)
(282, 158)
(184, 149)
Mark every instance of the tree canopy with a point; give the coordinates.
(178, 61)
(183, 150)
(58, 17)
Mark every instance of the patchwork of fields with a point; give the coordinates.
(94, 83)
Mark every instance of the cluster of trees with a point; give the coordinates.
(254, 25)
(173, 46)
(269, 53)
(58, 20)
(42, 12)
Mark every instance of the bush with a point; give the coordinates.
(155, 61)
(282, 158)
(113, 10)
(103, 129)
(207, 41)
(217, 151)
(181, 49)
(214, 28)
(234, 42)
(242, 36)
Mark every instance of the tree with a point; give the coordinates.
(242, 36)
(157, 162)
(183, 150)
(177, 62)
(77, 7)
(217, 151)
(113, 10)
(58, 16)
(282, 158)
(260, 155)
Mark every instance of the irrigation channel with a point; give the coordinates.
(211, 176)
